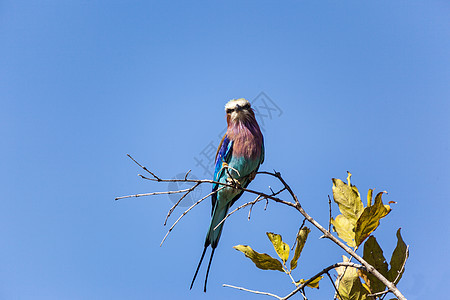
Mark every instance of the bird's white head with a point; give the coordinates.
(239, 110)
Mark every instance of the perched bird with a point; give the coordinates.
(238, 157)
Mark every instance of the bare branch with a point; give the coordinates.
(238, 208)
(303, 285)
(179, 201)
(185, 176)
(329, 220)
(144, 168)
(154, 193)
(191, 207)
(335, 288)
(258, 198)
(396, 278)
(403, 266)
(295, 242)
(251, 291)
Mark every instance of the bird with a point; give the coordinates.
(238, 157)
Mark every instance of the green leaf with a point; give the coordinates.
(345, 229)
(302, 235)
(348, 199)
(281, 248)
(373, 254)
(370, 219)
(350, 286)
(398, 259)
(313, 284)
(261, 260)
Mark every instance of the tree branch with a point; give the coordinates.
(251, 291)
(304, 284)
(326, 233)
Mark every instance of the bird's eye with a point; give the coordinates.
(230, 110)
(246, 106)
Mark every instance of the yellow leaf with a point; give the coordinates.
(369, 197)
(261, 260)
(313, 284)
(345, 229)
(281, 248)
(350, 286)
(398, 259)
(340, 270)
(370, 219)
(302, 235)
(373, 254)
(349, 175)
(348, 199)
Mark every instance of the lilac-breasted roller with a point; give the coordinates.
(240, 153)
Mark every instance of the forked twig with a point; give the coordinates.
(258, 198)
(191, 207)
(179, 201)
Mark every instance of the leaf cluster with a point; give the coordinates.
(356, 222)
(266, 262)
(354, 225)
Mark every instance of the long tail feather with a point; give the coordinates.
(198, 267)
(207, 271)
(213, 236)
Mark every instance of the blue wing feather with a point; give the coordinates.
(223, 155)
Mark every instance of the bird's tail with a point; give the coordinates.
(198, 267)
(212, 238)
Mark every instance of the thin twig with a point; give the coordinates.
(151, 194)
(301, 226)
(250, 211)
(329, 220)
(335, 288)
(238, 208)
(251, 291)
(379, 293)
(264, 195)
(258, 198)
(191, 207)
(403, 266)
(399, 273)
(304, 284)
(144, 168)
(179, 201)
(302, 291)
(339, 278)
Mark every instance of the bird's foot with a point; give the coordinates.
(227, 167)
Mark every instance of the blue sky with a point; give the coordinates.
(361, 86)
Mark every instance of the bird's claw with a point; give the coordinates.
(226, 167)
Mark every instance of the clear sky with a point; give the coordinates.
(358, 85)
